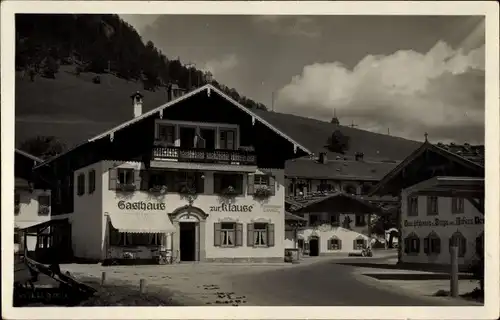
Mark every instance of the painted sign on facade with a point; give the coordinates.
(141, 205)
(271, 208)
(231, 208)
(444, 223)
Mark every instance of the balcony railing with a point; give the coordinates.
(237, 157)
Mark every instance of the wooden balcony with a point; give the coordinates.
(231, 157)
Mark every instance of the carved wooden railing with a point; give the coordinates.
(238, 157)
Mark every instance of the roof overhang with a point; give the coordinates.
(466, 187)
(389, 177)
(308, 206)
(208, 89)
(29, 156)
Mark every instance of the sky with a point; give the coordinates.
(403, 75)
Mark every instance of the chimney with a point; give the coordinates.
(137, 102)
(358, 156)
(322, 158)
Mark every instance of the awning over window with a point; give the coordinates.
(141, 222)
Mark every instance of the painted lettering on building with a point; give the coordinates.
(231, 208)
(459, 221)
(141, 205)
(271, 208)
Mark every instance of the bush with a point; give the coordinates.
(477, 270)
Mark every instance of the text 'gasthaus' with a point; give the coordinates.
(141, 205)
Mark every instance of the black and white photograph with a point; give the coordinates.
(249, 159)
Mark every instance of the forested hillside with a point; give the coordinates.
(102, 44)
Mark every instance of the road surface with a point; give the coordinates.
(324, 284)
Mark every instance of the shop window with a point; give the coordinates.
(412, 244)
(432, 206)
(117, 238)
(412, 206)
(228, 183)
(80, 184)
(91, 181)
(334, 243)
(458, 240)
(359, 243)
(432, 244)
(457, 205)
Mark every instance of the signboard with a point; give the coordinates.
(141, 205)
(231, 208)
(459, 221)
(271, 208)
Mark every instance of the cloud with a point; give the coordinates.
(440, 92)
(288, 25)
(219, 66)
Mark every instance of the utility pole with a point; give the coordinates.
(352, 125)
(388, 131)
(272, 101)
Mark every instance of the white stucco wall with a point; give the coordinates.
(271, 210)
(469, 231)
(325, 216)
(28, 210)
(326, 232)
(86, 220)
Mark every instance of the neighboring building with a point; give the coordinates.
(427, 162)
(31, 199)
(200, 177)
(335, 223)
(439, 212)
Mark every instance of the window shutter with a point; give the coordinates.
(417, 247)
(217, 183)
(250, 183)
(429, 205)
(426, 245)
(407, 245)
(113, 176)
(438, 245)
(144, 179)
(217, 234)
(270, 235)
(340, 244)
(239, 234)
(354, 244)
(330, 244)
(463, 246)
(272, 185)
(250, 239)
(137, 178)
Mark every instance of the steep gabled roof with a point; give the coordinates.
(355, 201)
(208, 88)
(426, 146)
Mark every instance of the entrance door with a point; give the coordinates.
(187, 242)
(314, 247)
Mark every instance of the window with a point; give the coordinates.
(187, 137)
(157, 179)
(207, 138)
(334, 244)
(43, 205)
(228, 234)
(457, 205)
(91, 181)
(125, 176)
(227, 139)
(412, 244)
(480, 245)
(166, 133)
(17, 203)
(261, 180)
(350, 189)
(222, 182)
(457, 239)
(334, 219)
(117, 238)
(80, 184)
(359, 243)
(432, 206)
(313, 219)
(360, 220)
(192, 180)
(432, 244)
(260, 235)
(412, 206)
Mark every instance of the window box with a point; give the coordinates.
(158, 189)
(262, 192)
(126, 187)
(229, 192)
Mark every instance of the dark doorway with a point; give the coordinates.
(314, 247)
(187, 135)
(188, 241)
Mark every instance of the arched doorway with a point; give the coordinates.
(189, 240)
(314, 246)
